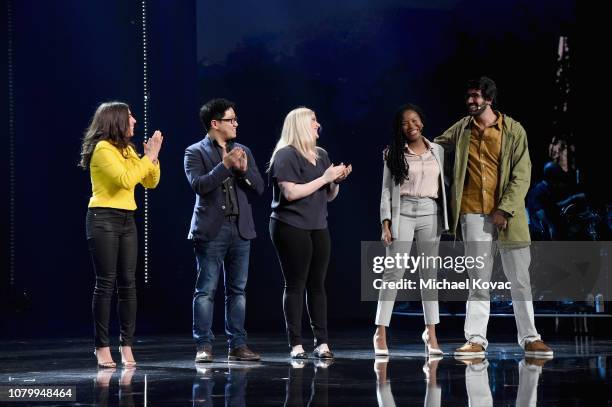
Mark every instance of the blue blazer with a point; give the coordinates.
(205, 172)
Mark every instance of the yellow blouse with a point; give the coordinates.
(114, 177)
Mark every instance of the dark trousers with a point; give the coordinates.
(294, 387)
(303, 256)
(113, 244)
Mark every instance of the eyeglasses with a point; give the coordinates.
(233, 120)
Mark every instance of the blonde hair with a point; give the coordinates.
(297, 132)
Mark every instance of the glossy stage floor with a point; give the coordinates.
(579, 374)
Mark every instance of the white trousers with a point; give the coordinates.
(477, 385)
(478, 235)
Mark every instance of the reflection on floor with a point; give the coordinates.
(166, 374)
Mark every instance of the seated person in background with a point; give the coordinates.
(548, 198)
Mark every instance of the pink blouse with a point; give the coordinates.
(423, 174)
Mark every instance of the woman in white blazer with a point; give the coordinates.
(412, 206)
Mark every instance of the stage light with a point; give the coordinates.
(11, 136)
(145, 119)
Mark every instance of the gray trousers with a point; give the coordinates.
(420, 219)
(478, 235)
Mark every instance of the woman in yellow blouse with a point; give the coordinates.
(115, 168)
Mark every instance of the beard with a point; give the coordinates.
(478, 111)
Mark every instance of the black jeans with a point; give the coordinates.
(304, 256)
(113, 244)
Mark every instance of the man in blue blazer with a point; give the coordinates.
(222, 174)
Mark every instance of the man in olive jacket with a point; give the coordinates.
(489, 181)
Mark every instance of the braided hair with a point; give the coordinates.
(394, 153)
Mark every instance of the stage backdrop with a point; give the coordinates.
(353, 62)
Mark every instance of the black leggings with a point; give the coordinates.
(113, 244)
(303, 256)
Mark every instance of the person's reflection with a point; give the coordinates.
(529, 375)
(433, 392)
(235, 386)
(318, 386)
(102, 383)
(477, 382)
(203, 383)
(383, 385)
(126, 395)
(294, 388)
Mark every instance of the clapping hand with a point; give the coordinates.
(236, 159)
(345, 173)
(333, 172)
(243, 162)
(153, 145)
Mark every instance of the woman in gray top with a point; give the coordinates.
(304, 180)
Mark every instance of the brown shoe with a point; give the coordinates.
(537, 348)
(243, 353)
(204, 354)
(539, 361)
(469, 361)
(470, 350)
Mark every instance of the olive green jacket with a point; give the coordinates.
(514, 176)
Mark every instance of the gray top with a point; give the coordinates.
(310, 212)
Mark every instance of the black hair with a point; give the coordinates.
(214, 110)
(394, 153)
(486, 86)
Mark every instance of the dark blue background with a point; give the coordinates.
(353, 62)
